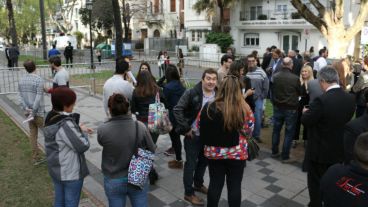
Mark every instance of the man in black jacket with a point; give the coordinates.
(185, 112)
(68, 53)
(285, 93)
(352, 130)
(325, 120)
(347, 185)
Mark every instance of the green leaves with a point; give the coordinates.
(223, 40)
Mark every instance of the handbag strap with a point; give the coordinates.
(157, 99)
(136, 138)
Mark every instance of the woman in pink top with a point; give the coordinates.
(225, 125)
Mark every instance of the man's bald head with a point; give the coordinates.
(291, 54)
(287, 63)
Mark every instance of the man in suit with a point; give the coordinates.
(353, 129)
(325, 120)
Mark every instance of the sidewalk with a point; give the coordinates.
(266, 181)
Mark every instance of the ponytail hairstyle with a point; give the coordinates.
(118, 105)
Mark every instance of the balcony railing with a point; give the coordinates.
(249, 15)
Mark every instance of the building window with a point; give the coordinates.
(172, 5)
(251, 39)
(255, 11)
(199, 35)
(193, 35)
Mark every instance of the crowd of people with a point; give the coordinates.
(217, 118)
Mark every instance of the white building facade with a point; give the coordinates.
(258, 24)
(196, 25)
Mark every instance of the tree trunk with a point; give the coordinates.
(12, 28)
(337, 46)
(222, 18)
(118, 28)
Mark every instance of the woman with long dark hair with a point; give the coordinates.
(225, 125)
(173, 90)
(238, 69)
(144, 94)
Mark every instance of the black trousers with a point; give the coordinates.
(232, 170)
(176, 143)
(315, 173)
(69, 61)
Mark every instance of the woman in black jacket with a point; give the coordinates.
(173, 90)
(144, 95)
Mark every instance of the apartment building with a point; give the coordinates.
(258, 24)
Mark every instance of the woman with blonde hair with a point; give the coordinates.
(306, 75)
(225, 126)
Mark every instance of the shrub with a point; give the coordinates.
(296, 15)
(195, 48)
(262, 17)
(223, 40)
(79, 36)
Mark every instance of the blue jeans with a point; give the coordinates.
(258, 111)
(195, 164)
(279, 117)
(67, 193)
(117, 189)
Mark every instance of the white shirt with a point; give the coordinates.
(61, 77)
(332, 87)
(116, 84)
(319, 64)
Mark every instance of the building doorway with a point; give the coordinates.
(290, 42)
(156, 33)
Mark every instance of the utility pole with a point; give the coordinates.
(43, 30)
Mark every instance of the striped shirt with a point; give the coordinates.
(31, 89)
(260, 82)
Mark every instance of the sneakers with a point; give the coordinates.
(203, 189)
(194, 200)
(169, 152)
(275, 155)
(175, 164)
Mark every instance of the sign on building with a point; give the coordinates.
(364, 36)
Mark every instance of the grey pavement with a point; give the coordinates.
(266, 181)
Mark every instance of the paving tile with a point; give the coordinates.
(262, 163)
(301, 199)
(270, 179)
(277, 200)
(247, 203)
(179, 203)
(153, 201)
(274, 188)
(265, 171)
(292, 204)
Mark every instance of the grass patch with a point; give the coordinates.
(36, 60)
(22, 184)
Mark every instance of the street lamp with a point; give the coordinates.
(89, 5)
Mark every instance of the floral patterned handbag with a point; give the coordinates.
(140, 165)
(158, 117)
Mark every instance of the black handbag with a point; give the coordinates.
(253, 149)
